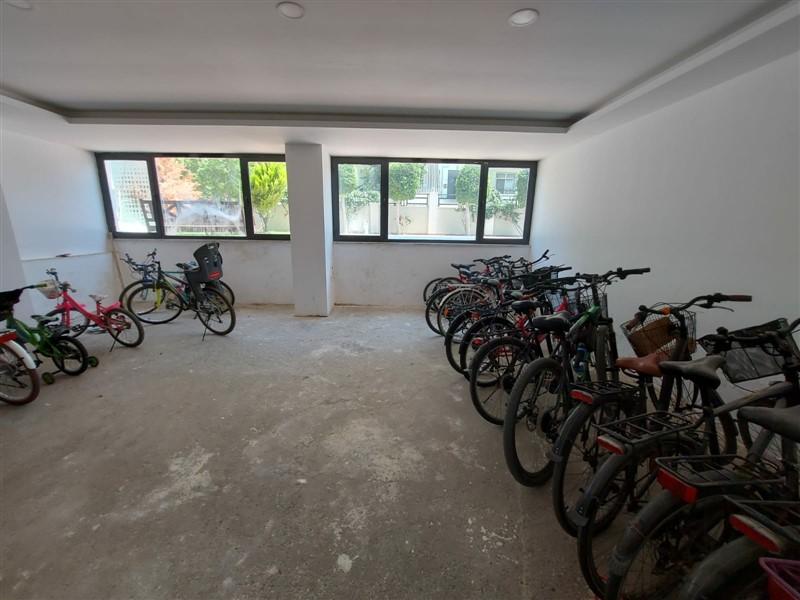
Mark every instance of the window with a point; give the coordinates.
(130, 196)
(506, 202)
(359, 199)
(184, 195)
(269, 197)
(446, 186)
(382, 199)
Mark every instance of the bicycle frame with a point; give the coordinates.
(68, 303)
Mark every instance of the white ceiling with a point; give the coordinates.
(403, 57)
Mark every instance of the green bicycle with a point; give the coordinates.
(47, 339)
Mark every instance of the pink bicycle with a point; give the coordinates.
(120, 324)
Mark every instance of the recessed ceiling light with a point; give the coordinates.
(523, 17)
(23, 4)
(291, 10)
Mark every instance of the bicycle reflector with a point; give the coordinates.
(581, 396)
(610, 444)
(677, 487)
(757, 532)
(7, 336)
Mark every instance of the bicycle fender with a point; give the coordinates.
(27, 359)
(578, 514)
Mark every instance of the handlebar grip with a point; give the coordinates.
(737, 298)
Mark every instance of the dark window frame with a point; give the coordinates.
(384, 203)
(150, 159)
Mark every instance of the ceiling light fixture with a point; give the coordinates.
(23, 4)
(523, 17)
(291, 10)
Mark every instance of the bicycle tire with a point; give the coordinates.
(530, 374)
(19, 366)
(148, 315)
(727, 572)
(504, 381)
(454, 303)
(78, 322)
(453, 337)
(134, 323)
(432, 310)
(485, 328)
(60, 343)
(218, 300)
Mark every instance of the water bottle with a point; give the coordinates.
(579, 362)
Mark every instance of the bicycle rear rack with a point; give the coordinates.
(661, 426)
(590, 392)
(782, 517)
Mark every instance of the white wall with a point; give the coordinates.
(54, 205)
(259, 271)
(395, 274)
(704, 191)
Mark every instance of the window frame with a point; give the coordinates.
(485, 165)
(150, 159)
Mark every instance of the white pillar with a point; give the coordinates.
(308, 171)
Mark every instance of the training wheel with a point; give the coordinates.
(93, 361)
(48, 378)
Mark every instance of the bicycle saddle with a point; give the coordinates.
(702, 370)
(557, 322)
(459, 267)
(783, 421)
(523, 306)
(646, 365)
(98, 297)
(42, 320)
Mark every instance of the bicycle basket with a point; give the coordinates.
(49, 289)
(658, 333)
(748, 362)
(7, 302)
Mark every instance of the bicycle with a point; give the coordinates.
(119, 323)
(659, 333)
(539, 402)
(165, 297)
(688, 513)
(145, 272)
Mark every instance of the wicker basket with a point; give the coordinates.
(658, 333)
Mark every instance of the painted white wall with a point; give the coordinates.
(705, 192)
(308, 174)
(259, 271)
(12, 275)
(395, 274)
(54, 205)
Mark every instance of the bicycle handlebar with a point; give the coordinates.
(724, 336)
(618, 273)
(704, 301)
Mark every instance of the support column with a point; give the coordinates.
(308, 170)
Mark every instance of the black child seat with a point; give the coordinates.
(208, 269)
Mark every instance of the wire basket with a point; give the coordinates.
(659, 333)
(783, 578)
(748, 362)
(48, 289)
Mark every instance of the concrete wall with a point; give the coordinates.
(705, 192)
(395, 274)
(54, 205)
(259, 271)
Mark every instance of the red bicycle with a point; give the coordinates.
(119, 323)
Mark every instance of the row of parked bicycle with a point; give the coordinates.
(540, 355)
(156, 296)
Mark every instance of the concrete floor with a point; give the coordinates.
(295, 458)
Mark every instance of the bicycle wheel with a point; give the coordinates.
(69, 355)
(74, 320)
(154, 304)
(124, 327)
(436, 284)
(223, 288)
(18, 384)
(454, 335)
(456, 302)
(478, 334)
(216, 313)
(432, 309)
(578, 458)
(534, 416)
(662, 545)
(493, 372)
(126, 290)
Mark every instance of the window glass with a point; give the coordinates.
(269, 197)
(130, 195)
(201, 196)
(359, 199)
(506, 202)
(433, 200)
